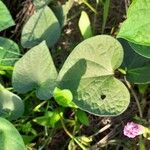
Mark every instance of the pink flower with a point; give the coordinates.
(132, 129)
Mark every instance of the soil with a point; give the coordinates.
(22, 10)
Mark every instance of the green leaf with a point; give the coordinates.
(141, 50)
(43, 25)
(142, 88)
(66, 7)
(11, 105)
(136, 28)
(85, 25)
(35, 71)
(85, 140)
(83, 118)
(49, 119)
(72, 145)
(10, 138)
(2, 72)
(137, 66)
(27, 128)
(5, 17)
(63, 97)
(61, 11)
(28, 138)
(89, 73)
(9, 52)
(41, 3)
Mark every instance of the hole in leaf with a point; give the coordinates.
(103, 97)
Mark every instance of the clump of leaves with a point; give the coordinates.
(88, 73)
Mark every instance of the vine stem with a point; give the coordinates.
(88, 5)
(70, 135)
(95, 17)
(135, 97)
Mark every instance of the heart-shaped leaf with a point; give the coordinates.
(9, 52)
(141, 49)
(5, 17)
(43, 25)
(35, 70)
(137, 66)
(10, 104)
(10, 138)
(136, 28)
(89, 74)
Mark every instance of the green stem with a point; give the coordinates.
(95, 17)
(105, 14)
(135, 97)
(28, 96)
(6, 68)
(141, 143)
(88, 5)
(49, 138)
(70, 135)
